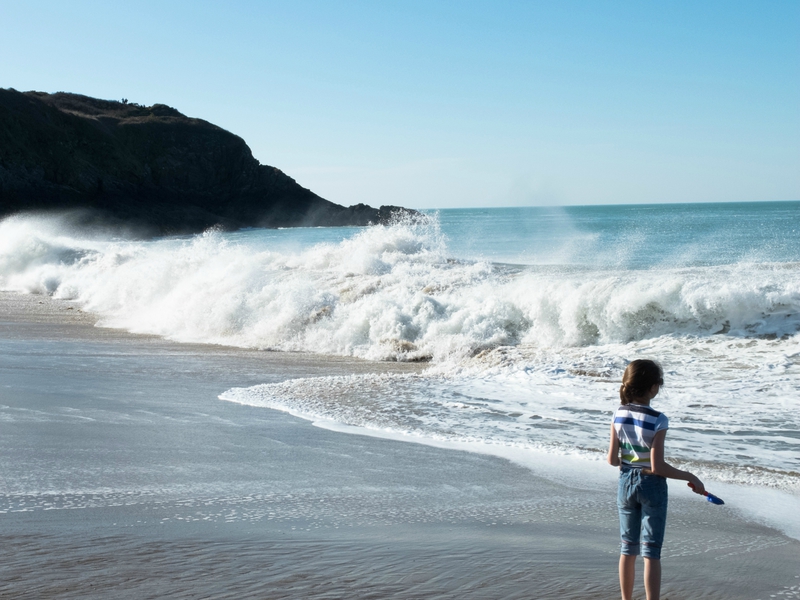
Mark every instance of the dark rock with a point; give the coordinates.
(148, 166)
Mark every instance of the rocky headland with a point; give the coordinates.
(149, 167)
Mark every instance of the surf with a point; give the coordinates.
(386, 293)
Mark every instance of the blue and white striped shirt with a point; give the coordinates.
(636, 426)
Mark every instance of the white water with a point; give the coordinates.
(525, 360)
(385, 294)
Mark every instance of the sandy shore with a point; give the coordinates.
(124, 475)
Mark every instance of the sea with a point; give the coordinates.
(522, 321)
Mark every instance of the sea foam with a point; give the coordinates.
(386, 293)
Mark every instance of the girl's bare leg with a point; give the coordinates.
(627, 570)
(652, 578)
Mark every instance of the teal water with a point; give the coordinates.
(627, 236)
(619, 236)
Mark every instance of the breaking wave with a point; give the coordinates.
(386, 293)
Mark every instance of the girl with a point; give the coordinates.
(639, 431)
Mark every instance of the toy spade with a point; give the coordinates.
(710, 497)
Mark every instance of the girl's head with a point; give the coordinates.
(639, 378)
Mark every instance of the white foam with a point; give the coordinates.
(386, 293)
(385, 406)
(534, 403)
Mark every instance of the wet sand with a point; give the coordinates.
(124, 475)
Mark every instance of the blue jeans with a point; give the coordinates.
(642, 504)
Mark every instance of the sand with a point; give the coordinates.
(124, 475)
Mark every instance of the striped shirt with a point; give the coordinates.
(636, 426)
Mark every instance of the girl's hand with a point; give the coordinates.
(696, 485)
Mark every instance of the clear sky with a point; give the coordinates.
(443, 104)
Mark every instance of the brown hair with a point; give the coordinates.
(640, 376)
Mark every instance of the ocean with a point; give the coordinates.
(523, 317)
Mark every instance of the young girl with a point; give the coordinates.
(639, 431)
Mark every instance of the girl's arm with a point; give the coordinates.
(613, 448)
(661, 467)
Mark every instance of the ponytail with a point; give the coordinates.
(623, 394)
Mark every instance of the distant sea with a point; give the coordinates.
(525, 317)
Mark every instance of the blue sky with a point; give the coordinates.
(445, 104)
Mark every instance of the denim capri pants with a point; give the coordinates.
(642, 504)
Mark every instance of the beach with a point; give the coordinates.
(359, 301)
(124, 474)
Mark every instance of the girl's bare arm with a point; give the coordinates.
(613, 449)
(661, 467)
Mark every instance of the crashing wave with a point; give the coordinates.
(386, 293)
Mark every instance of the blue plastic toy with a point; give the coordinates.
(710, 497)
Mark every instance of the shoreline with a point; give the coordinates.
(125, 475)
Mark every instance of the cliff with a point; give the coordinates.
(147, 166)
